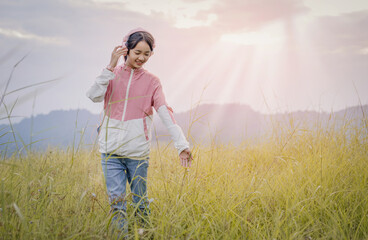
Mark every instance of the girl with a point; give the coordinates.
(129, 93)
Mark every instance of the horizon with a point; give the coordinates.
(19, 119)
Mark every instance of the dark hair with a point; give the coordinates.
(136, 37)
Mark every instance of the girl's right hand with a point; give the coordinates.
(186, 158)
(117, 53)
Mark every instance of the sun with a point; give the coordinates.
(268, 69)
(269, 36)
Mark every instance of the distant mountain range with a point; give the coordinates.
(205, 124)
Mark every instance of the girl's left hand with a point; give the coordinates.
(186, 158)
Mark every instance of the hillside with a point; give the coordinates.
(209, 122)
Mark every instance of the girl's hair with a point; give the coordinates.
(136, 37)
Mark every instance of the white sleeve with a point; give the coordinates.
(176, 133)
(97, 91)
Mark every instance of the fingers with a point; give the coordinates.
(119, 46)
(185, 162)
(116, 48)
(120, 50)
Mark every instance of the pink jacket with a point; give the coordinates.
(129, 95)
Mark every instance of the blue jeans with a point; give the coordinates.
(117, 170)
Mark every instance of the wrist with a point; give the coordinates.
(110, 67)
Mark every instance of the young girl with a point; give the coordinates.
(129, 93)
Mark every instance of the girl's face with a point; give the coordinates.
(138, 55)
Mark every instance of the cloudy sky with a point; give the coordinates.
(274, 55)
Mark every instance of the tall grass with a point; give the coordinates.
(298, 183)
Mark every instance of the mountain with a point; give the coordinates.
(204, 124)
(58, 128)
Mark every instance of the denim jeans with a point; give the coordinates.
(117, 171)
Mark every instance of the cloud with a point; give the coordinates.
(29, 36)
(178, 13)
(363, 51)
(80, 23)
(246, 15)
(345, 34)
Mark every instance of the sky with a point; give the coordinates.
(273, 55)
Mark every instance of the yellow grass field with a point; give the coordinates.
(297, 184)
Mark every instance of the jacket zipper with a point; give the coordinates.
(127, 94)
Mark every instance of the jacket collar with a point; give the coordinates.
(129, 69)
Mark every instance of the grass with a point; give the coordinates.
(296, 184)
